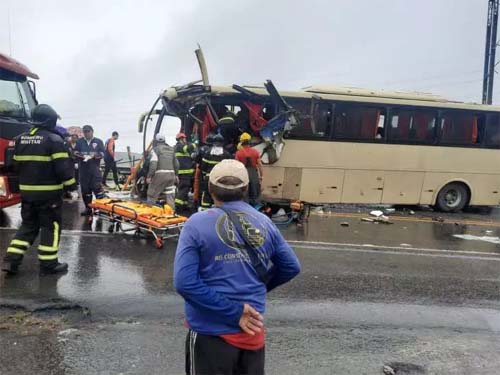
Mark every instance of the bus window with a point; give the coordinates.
(315, 119)
(412, 126)
(458, 128)
(359, 122)
(321, 119)
(492, 138)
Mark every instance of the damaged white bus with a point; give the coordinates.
(330, 145)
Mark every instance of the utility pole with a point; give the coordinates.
(490, 51)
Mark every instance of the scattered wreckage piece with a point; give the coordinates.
(378, 219)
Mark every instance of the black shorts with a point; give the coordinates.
(211, 355)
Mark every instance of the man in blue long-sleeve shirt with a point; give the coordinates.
(225, 295)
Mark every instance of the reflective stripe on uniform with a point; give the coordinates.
(47, 257)
(15, 250)
(60, 155)
(57, 155)
(33, 131)
(48, 249)
(20, 243)
(180, 201)
(181, 155)
(185, 171)
(41, 187)
(55, 242)
(32, 158)
(214, 162)
(69, 182)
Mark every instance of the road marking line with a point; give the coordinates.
(413, 219)
(72, 232)
(337, 246)
(421, 249)
(392, 252)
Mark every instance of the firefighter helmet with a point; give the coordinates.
(180, 135)
(210, 139)
(245, 137)
(45, 116)
(218, 139)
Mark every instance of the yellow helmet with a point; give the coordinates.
(245, 137)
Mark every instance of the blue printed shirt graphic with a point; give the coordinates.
(213, 272)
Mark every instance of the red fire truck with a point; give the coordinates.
(17, 99)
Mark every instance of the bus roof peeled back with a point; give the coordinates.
(355, 91)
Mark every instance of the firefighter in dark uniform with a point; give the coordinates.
(90, 151)
(209, 159)
(184, 153)
(43, 163)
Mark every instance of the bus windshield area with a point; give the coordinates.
(203, 111)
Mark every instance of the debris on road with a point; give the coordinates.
(405, 244)
(389, 211)
(378, 219)
(67, 332)
(411, 212)
(376, 213)
(438, 219)
(403, 368)
(383, 219)
(344, 224)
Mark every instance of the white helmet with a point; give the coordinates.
(160, 138)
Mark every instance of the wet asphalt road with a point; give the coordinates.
(423, 291)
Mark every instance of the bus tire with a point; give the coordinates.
(453, 197)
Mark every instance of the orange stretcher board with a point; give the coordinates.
(161, 222)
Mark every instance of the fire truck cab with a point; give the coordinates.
(17, 99)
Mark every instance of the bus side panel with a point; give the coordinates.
(402, 187)
(485, 189)
(363, 186)
(292, 183)
(272, 182)
(321, 185)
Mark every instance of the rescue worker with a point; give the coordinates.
(197, 176)
(184, 153)
(109, 160)
(251, 160)
(71, 147)
(229, 131)
(89, 151)
(209, 159)
(162, 171)
(44, 168)
(206, 147)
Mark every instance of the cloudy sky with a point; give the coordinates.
(104, 62)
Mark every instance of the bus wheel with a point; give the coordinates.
(453, 197)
